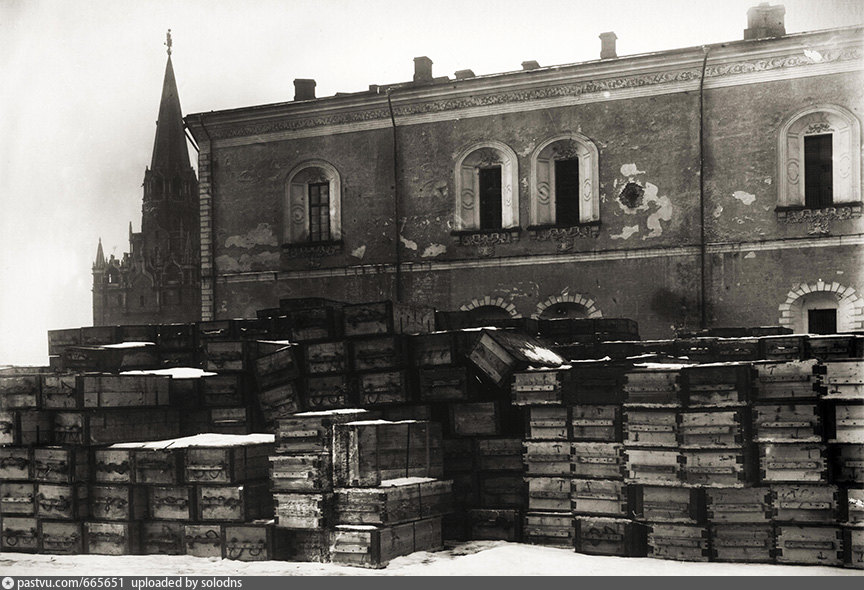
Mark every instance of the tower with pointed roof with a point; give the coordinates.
(158, 280)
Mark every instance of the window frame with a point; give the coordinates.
(823, 119)
(295, 215)
(467, 181)
(542, 181)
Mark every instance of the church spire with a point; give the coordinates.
(100, 257)
(169, 148)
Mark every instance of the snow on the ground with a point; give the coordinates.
(176, 372)
(464, 559)
(209, 439)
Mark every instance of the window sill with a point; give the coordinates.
(485, 237)
(855, 206)
(562, 226)
(313, 249)
(566, 233)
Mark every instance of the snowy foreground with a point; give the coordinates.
(464, 559)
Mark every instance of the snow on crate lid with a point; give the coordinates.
(372, 422)
(174, 373)
(331, 412)
(211, 439)
(128, 345)
(404, 481)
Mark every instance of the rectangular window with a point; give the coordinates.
(319, 212)
(490, 197)
(822, 321)
(818, 171)
(567, 191)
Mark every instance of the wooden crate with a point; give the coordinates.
(846, 423)
(736, 349)
(495, 525)
(367, 452)
(234, 502)
(745, 543)
(548, 423)
(277, 367)
(388, 504)
(60, 392)
(19, 534)
(855, 507)
(203, 540)
(223, 390)
(227, 464)
(598, 460)
(58, 340)
(715, 429)
(307, 545)
(654, 466)
(610, 536)
(783, 347)
(538, 387)
(16, 463)
(256, 541)
(98, 335)
(809, 545)
(311, 472)
(847, 464)
(476, 419)
(717, 385)
(228, 421)
(312, 432)
(61, 464)
(549, 458)
(374, 547)
(738, 505)
(326, 358)
(26, 427)
(805, 503)
(379, 353)
(117, 425)
(158, 466)
(216, 330)
(502, 489)
(434, 349)
(789, 380)
(59, 537)
(600, 423)
(835, 346)
(384, 388)
(498, 454)
(599, 497)
(447, 383)
(226, 356)
(668, 504)
(682, 542)
(280, 401)
(56, 501)
(177, 337)
(550, 529)
(853, 546)
(387, 317)
(113, 538)
(329, 392)
(719, 467)
(650, 427)
(118, 502)
(656, 386)
(792, 462)
(111, 358)
(703, 350)
(159, 537)
(304, 511)
(320, 323)
(595, 382)
(19, 392)
(17, 498)
(787, 423)
(548, 494)
(172, 502)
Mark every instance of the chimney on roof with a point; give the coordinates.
(765, 21)
(422, 69)
(607, 45)
(304, 89)
(463, 74)
(530, 65)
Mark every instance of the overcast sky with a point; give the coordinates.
(81, 81)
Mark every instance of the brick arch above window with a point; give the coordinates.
(469, 163)
(298, 215)
(543, 193)
(487, 301)
(850, 306)
(590, 306)
(845, 132)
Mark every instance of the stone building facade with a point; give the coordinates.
(158, 280)
(706, 186)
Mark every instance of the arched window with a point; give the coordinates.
(822, 308)
(819, 158)
(487, 188)
(565, 181)
(313, 198)
(566, 309)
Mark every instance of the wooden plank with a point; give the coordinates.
(847, 423)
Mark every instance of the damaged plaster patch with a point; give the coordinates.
(768, 180)
(410, 244)
(630, 170)
(433, 250)
(628, 231)
(750, 255)
(359, 252)
(246, 262)
(260, 236)
(718, 211)
(631, 195)
(745, 198)
(663, 212)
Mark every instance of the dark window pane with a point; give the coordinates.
(567, 191)
(319, 212)
(490, 198)
(822, 321)
(818, 171)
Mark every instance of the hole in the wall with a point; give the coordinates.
(631, 195)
